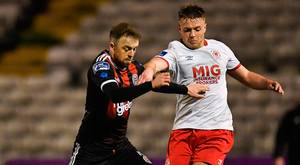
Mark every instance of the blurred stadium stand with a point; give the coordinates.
(15, 17)
(42, 80)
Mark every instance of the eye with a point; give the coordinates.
(126, 48)
(187, 30)
(198, 29)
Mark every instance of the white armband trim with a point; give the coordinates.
(106, 82)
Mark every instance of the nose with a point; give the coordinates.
(131, 53)
(192, 34)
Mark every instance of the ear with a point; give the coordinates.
(111, 47)
(178, 27)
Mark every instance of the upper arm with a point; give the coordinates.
(165, 60)
(160, 63)
(241, 73)
(103, 74)
(235, 69)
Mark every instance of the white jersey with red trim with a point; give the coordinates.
(206, 65)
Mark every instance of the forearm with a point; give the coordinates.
(172, 88)
(256, 81)
(156, 64)
(250, 79)
(120, 94)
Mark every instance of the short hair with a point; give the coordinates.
(123, 29)
(191, 11)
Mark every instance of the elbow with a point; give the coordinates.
(115, 99)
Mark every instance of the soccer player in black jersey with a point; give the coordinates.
(287, 141)
(112, 85)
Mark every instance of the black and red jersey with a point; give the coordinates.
(110, 92)
(105, 121)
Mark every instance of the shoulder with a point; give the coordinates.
(103, 56)
(176, 45)
(173, 48)
(212, 42)
(219, 45)
(102, 62)
(137, 64)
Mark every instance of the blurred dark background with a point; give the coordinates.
(46, 48)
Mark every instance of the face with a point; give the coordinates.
(192, 31)
(124, 50)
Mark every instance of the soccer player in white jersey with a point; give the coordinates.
(202, 133)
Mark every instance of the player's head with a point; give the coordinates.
(192, 26)
(124, 40)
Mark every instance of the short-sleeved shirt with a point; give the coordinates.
(205, 65)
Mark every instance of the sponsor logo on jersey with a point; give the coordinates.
(103, 75)
(163, 53)
(123, 107)
(188, 58)
(205, 74)
(101, 66)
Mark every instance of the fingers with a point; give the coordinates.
(275, 86)
(197, 90)
(147, 75)
(165, 78)
(197, 96)
(161, 79)
(279, 89)
(141, 80)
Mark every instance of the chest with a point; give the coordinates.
(128, 77)
(202, 63)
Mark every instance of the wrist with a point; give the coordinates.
(150, 67)
(150, 71)
(269, 84)
(185, 89)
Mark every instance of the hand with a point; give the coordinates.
(147, 75)
(275, 86)
(279, 161)
(197, 90)
(161, 79)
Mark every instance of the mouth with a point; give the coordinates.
(128, 60)
(194, 41)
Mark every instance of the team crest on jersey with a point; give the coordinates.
(101, 66)
(216, 54)
(135, 78)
